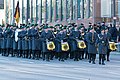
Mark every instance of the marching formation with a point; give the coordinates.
(59, 42)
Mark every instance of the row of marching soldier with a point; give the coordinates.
(60, 42)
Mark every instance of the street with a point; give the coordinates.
(12, 68)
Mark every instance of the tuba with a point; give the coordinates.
(81, 44)
(65, 46)
(50, 45)
(112, 46)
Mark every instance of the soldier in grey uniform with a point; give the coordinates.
(9, 42)
(46, 36)
(109, 39)
(92, 49)
(1, 39)
(15, 43)
(102, 46)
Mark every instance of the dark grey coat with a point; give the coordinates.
(45, 36)
(59, 37)
(35, 39)
(24, 41)
(72, 40)
(4, 40)
(92, 49)
(15, 44)
(9, 43)
(20, 40)
(102, 43)
(1, 38)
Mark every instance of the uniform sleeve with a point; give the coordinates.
(88, 38)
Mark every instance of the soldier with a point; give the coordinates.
(109, 39)
(91, 40)
(46, 36)
(81, 37)
(1, 39)
(9, 43)
(54, 34)
(60, 38)
(114, 31)
(74, 35)
(35, 42)
(26, 45)
(102, 46)
(24, 39)
(55, 31)
(15, 42)
(20, 42)
(30, 41)
(70, 30)
(4, 41)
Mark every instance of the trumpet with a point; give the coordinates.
(50, 45)
(112, 46)
(65, 46)
(55, 32)
(81, 44)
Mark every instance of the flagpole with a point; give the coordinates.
(13, 10)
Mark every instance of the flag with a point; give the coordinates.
(17, 13)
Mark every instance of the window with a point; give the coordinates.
(79, 4)
(68, 9)
(91, 8)
(85, 8)
(34, 11)
(74, 9)
(63, 8)
(53, 8)
(43, 11)
(47, 11)
(57, 9)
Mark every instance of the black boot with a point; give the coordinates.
(103, 62)
(93, 62)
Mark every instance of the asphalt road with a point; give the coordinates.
(12, 68)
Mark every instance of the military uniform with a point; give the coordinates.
(46, 35)
(1, 39)
(35, 42)
(74, 35)
(20, 44)
(9, 42)
(92, 50)
(4, 43)
(24, 42)
(29, 42)
(109, 39)
(102, 46)
(15, 43)
(81, 37)
(62, 56)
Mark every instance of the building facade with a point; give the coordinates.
(58, 11)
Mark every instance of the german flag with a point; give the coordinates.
(17, 13)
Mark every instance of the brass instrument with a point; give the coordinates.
(50, 45)
(81, 44)
(55, 32)
(68, 33)
(112, 46)
(65, 46)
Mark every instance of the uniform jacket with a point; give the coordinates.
(92, 44)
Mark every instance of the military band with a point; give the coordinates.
(56, 42)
